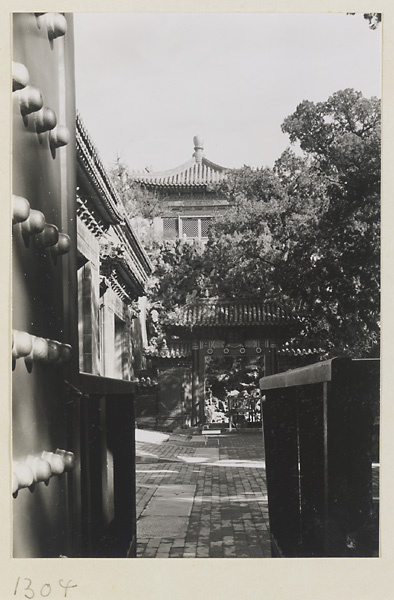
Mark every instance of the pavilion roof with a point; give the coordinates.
(198, 172)
(190, 174)
(230, 313)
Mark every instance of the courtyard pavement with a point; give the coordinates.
(201, 496)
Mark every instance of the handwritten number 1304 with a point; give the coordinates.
(45, 590)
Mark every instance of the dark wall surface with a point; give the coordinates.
(45, 418)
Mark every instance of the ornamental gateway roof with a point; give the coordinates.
(197, 172)
(228, 313)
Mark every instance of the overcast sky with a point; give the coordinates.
(147, 83)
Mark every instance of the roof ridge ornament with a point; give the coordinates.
(198, 154)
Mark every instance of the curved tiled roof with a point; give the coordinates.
(230, 313)
(90, 163)
(190, 174)
(107, 203)
(197, 172)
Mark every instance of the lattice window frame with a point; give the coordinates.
(200, 232)
(167, 229)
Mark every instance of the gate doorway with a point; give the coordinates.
(206, 331)
(232, 394)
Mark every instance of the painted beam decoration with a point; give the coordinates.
(223, 348)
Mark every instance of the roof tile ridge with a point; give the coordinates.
(96, 156)
(213, 165)
(89, 154)
(168, 172)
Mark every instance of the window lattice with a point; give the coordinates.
(170, 228)
(205, 222)
(190, 228)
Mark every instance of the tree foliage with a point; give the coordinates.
(180, 274)
(373, 19)
(141, 205)
(305, 233)
(340, 265)
(138, 201)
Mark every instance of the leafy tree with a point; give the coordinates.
(373, 19)
(233, 374)
(141, 205)
(307, 233)
(269, 214)
(340, 263)
(180, 274)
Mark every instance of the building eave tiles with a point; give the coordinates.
(90, 161)
(191, 174)
(229, 314)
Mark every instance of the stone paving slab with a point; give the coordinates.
(211, 454)
(156, 526)
(150, 452)
(155, 437)
(227, 498)
(171, 501)
(174, 491)
(163, 507)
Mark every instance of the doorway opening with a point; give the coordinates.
(232, 394)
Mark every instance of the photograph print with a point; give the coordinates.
(196, 284)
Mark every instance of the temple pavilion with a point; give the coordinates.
(209, 327)
(187, 199)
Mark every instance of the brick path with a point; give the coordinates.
(202, 496)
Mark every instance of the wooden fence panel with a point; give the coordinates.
(318, 433)
(281, 457)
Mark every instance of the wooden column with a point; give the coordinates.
(201, 386)
(270, 359)
(195, 381)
